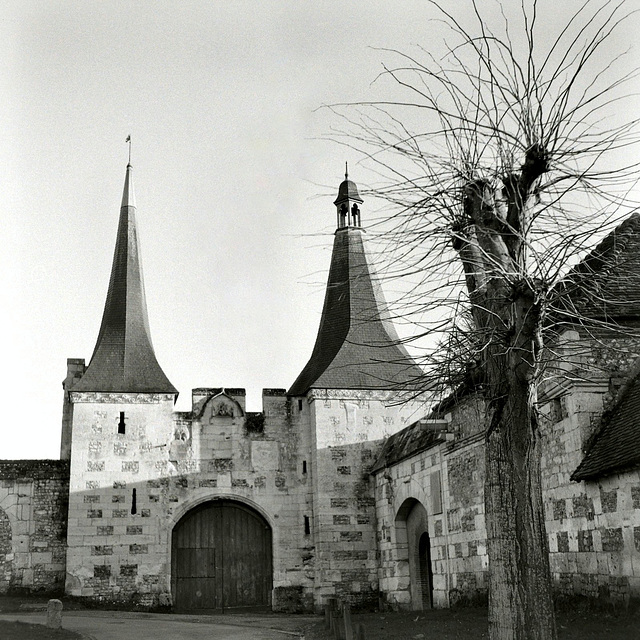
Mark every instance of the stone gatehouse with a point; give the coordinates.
(217, 508)
(339, 486)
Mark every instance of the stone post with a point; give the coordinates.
(327, 615)
(333, 609)
(54, 614)
(348, 628)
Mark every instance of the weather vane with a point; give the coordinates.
(129, 141)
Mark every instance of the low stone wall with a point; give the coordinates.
(34, 497)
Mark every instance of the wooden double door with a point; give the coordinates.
(221, 558)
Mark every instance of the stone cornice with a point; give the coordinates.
(560, 386)
(120, 398)
(353, 394)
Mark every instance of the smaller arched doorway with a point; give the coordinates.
(414, 547)
(221, 558)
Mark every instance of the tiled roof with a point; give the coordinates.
(616, 445)
(606, 284)
(123, 360)
(357, 346)
(417, 437)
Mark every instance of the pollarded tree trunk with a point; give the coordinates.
(508, 309)
(521, 604)
(512, 132)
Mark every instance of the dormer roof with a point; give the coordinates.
(615, 446)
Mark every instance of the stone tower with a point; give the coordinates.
(116, 410)
(348, 398)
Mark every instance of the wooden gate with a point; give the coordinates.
(221, 558)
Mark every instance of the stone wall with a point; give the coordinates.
(116, 550)
(33, 525)
(346, 431)
(593, 527)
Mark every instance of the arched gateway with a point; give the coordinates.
(221, 558)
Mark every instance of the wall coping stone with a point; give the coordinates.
(34, 469)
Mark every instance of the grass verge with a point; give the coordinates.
(27, 631)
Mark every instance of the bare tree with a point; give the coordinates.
(500, 161)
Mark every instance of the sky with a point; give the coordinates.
(233, 174)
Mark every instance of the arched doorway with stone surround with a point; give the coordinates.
(414, 547)
(221, 558)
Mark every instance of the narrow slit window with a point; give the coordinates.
(304, 466)
(134, 507)
(307, 526)
(299, 404)
(121, 423)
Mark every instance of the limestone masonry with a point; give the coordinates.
(341, 486)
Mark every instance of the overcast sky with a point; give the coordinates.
(234, 188)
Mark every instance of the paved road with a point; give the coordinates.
(127, 626)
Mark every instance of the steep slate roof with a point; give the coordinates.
(123, 360)
(417, 437)
(606, 284)
(616, 446)
(357, 346)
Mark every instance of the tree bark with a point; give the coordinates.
(520, 593)
(508, 309)
(521, 604)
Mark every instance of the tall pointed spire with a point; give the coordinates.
(357, 346)
(123, 360)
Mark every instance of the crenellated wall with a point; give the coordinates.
(174, 462)
(304, 464)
